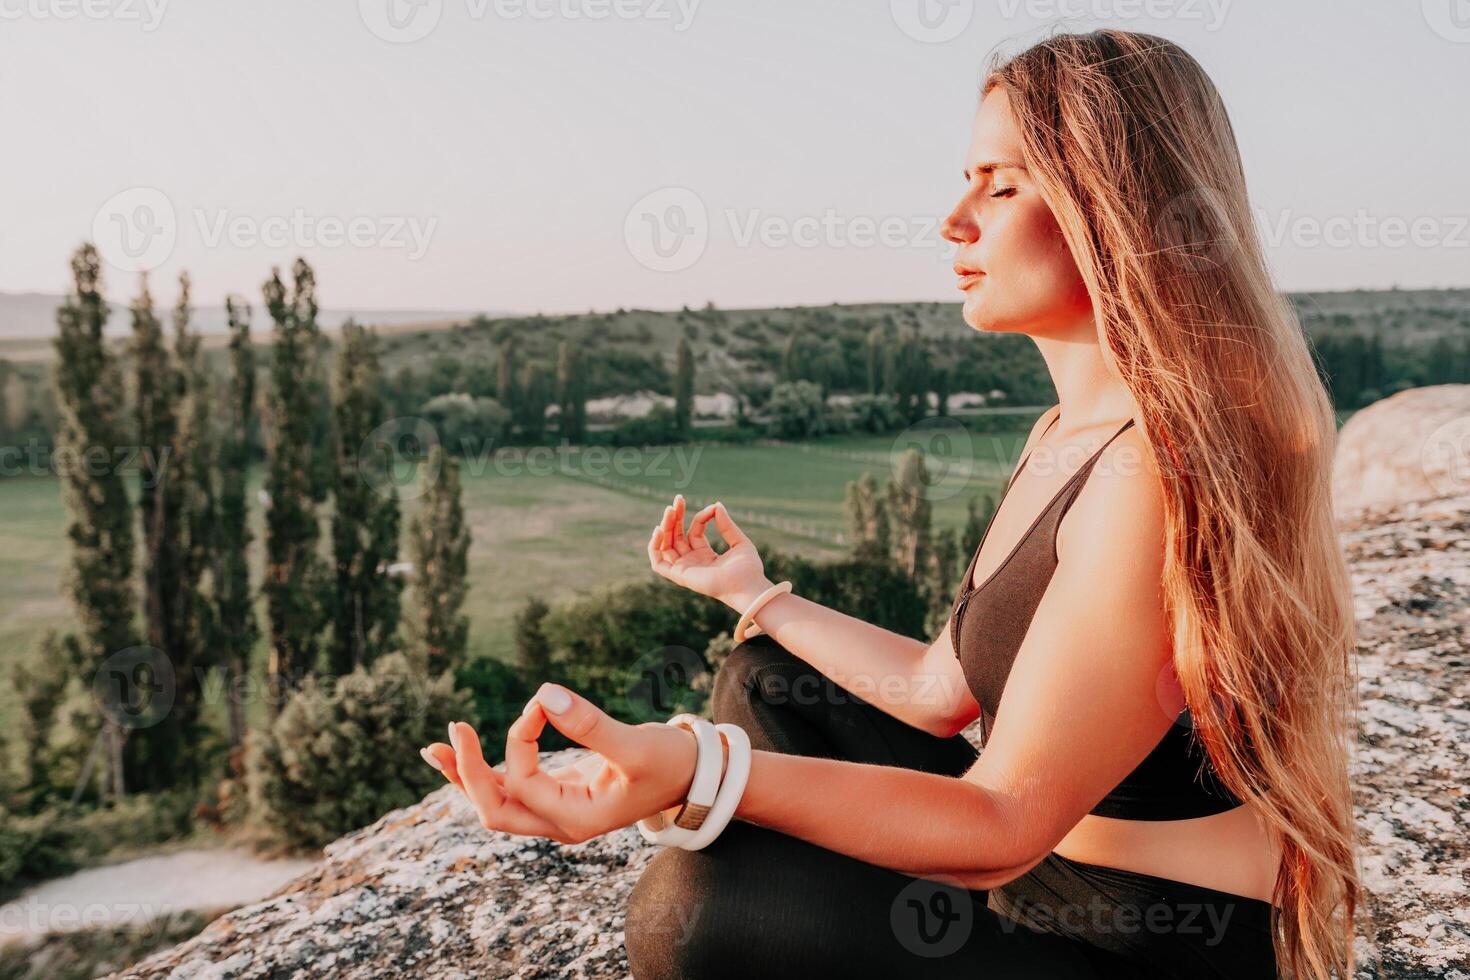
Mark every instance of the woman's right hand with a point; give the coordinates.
(734, 577)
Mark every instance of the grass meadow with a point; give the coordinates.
(564, 523)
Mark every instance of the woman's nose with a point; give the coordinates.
(959, 228)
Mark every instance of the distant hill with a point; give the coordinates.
(32, 316)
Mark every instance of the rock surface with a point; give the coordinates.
(426, 892)
(1412, 446)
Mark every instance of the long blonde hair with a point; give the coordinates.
(1131, 145)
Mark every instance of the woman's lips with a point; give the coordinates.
(968, 279)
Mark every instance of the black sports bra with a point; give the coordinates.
(1176, 780)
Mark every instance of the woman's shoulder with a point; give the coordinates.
(1123, 493)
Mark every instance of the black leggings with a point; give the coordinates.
(759, 903)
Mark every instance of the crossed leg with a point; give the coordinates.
(759, 903)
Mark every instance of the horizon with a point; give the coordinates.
(749, 156)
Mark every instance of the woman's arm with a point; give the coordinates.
(1081, 709)
(918, 683)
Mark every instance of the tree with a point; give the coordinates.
(536, 392)
(89, 394)
(976, 517)
(942, 577)
(236, 628)
(798, 409)
(571, 393)
(464, 423)
(159, 500)
(295, 577)
(941, 378)
(877, 344)
(505, 379)
(867, 519)
(340, 755)
(909, 514)
(365, 522)
(439, 544)
(533, 651)
(188, 496)
(684, 388)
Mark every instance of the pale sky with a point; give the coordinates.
(505, 159)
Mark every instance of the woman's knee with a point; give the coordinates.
(755, 668)
(668, 932)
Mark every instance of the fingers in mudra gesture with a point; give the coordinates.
(637, 771)
(685, 556)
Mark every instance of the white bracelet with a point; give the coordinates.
(747, 618)
(732, 788)
(702, 791)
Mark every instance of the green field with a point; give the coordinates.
(546, 526)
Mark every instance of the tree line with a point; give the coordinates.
(155, 476)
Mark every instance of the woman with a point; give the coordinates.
(1155, 632)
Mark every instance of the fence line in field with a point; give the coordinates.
(972, 467)
(743, 515)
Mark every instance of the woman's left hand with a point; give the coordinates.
(639, 770)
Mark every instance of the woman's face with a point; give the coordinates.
(1014, 267)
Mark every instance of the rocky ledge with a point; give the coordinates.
(426, 892)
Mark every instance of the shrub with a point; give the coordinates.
(465, 423)
(499, 692)
(63, 837)
(340, 756)
(658, 428)
(876, 413)
(797, 410)
(34, 847)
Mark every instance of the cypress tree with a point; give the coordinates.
(234, 609)
(365, 522)
(533, 650)
(976, 518)
(571, 393)
(941, 379)
(505, 381)
(89, 396)
(295, 577)
(159, 502)
(439, 544)
(867, 519)
(876, 357)
(684, 388)
(535, 390)
(176, 505)
(909, 514)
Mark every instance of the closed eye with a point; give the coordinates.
(1003, 192)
